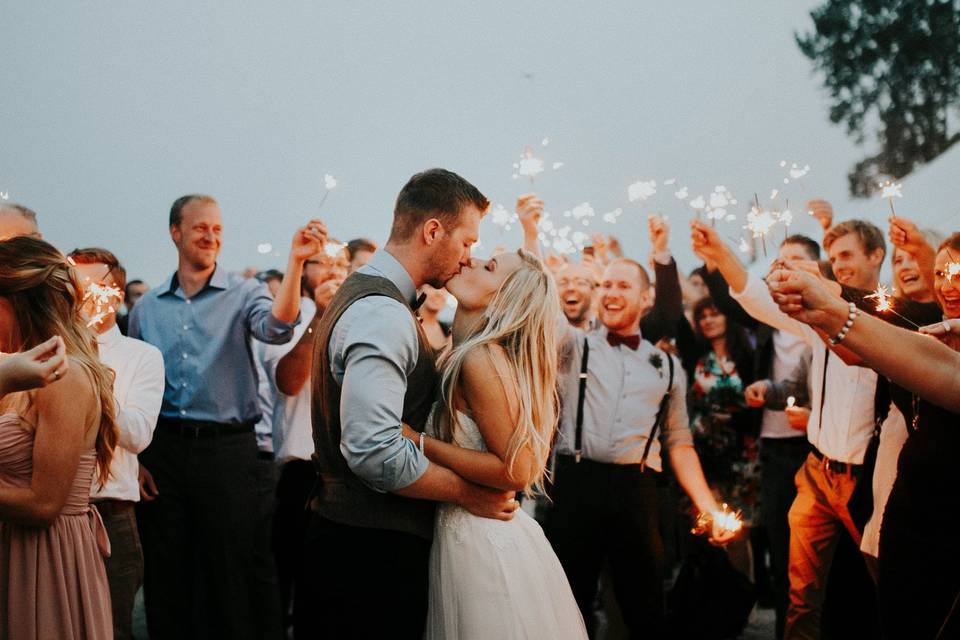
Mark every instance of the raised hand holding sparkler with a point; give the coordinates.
(659, 232)
(822, 211)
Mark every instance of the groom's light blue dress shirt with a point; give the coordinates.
(205, 342)
(373, 348)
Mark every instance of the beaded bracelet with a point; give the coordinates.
(851, 316)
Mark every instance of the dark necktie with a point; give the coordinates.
(631, 342)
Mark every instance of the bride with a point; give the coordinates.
(495, 423)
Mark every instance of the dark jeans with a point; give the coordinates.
(610, 512)
(780, 458)
(201, 536)
(125, 564)
(361, 583)
(290, 519)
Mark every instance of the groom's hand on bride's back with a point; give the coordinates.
(489, 503)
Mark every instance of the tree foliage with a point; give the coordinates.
(892, 67)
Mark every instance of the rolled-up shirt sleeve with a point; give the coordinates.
(374, 348)
(676, 431)
(258, 311)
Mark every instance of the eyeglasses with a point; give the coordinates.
(577, 282)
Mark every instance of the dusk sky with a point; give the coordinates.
(112, 110)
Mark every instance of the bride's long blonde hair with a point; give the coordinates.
(46, 296)
(522, 319)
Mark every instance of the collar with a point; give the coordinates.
(385, 265)
(109, 337)
(219, 279)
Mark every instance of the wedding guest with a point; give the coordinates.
(617, 423)
(919, 577)
(138, 390)
(272, 278)
(783, 446)
(200, 531)
(719, 363)
(438, 333)
(55, 441)
(577, 284)
(847, 407)
(17, 220)
(359, 252)
(131, 295)
(912, 248)
(287, 367)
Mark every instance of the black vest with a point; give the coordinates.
(341, 496)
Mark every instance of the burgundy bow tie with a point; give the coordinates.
(631, 342)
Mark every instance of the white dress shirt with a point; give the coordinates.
(787, 350)
(848, 413)
(138, 391)
(623, 394)
(291, 420)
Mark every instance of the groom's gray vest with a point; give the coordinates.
(341, 496)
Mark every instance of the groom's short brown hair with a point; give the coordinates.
(434, 193)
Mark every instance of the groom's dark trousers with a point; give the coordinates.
(361, 583)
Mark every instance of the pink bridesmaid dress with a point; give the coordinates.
(52, 580)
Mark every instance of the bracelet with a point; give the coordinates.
(851, 316)
(423, 437)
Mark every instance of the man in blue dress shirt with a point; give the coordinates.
(199, 530)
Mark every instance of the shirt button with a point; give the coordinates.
(188, 300)
(184, 356)
(184, 385)
(183, 412)
(185, 327)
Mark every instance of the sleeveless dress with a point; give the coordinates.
(52, 580)
(494, 579)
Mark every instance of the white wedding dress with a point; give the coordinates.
(493, 580)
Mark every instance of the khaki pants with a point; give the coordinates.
(817, 519)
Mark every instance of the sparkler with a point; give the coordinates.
(330, 183)
(641, 190)
(718, 522)
(891, 190)
(529, 165)
(884, 302)
(759, 223)
(4, 195)
(795, 173)
(102, 297)
(264, 248)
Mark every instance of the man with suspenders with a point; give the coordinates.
(624, 402)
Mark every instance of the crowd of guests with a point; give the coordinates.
(162, 437)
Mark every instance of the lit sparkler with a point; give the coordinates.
(641, 190)
(884, 301)
(528, 166)
(718, 522)
(329, 183)
(891, 190)
(759, 223)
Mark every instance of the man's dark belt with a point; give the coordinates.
(110, 506)
(565, 459)
(202, 429)
(835, 465)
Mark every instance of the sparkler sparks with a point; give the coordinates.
(612, 216)
(718, 522)
(4, 195)
(953, 270)
(529, 166)
(503, 218)
(104, 298)
(641, 190)
(759, 223)
(264, 248)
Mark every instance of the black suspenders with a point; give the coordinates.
(657, 424)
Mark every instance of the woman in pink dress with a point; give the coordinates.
(55, 440)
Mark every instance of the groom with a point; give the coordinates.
(368, 544)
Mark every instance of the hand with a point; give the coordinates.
(798, 417)
(804, 297)
(905, 235)
(325, 291)
(529, 210)
(409, 432)
(44, 364)
(659, 232)
(148, 488)
(809, 266)
(706, 242)
(309, 240)
(755, 394)
(822, 211)
(720, 537)
(948, 332)
(490, 503)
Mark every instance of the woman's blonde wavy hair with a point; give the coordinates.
(522, 319)
(46, 295)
